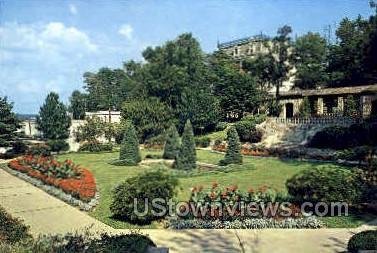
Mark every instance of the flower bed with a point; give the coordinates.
(70, 178)
(245, 149)
(230, 208)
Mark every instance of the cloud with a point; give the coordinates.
(72, 9)
(53, 37)
(126, 30)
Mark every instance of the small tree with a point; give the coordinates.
(8, 122)
(233, 151)
(171, 148)
(53, 120)
(304, 110)
(350, 106)
(91, 130)
(186, 159)
(129, 150)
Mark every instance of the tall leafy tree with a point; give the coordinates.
(150, 116)
(107, 89)
(186, 159)
(236, 91)
(53, 120)
(8, 122)
(77, 104)
(310, 60)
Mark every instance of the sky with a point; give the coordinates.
(47, 45)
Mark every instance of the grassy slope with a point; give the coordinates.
(256, 172)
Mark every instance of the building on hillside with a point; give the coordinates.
(330, 101)
(250, 47)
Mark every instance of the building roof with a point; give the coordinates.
(241, 41)
(331, 91)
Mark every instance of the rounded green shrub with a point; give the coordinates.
(129, 150)
(186, 159)
(149, 185)
(233, 151)
(40, 149)
(58, 145)
(203, 141)
(325, 184)
(95, 146)
(365, 240)
(172, 144)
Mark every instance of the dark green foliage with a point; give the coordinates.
(304, 110)
(150, 185)
(172, 144)
(129, 150)
(40, 150)
(107, 89)
(132, 242)
(200, 106)
(8, 122)
(155, 142)
(149, 116)
(77, 105)
(202, 142)
(325, 184)
(365, 240)
(236, 91)
(221, 126)
(233, 151)
(354, 154)
(12, 230)
(95, 146)
(336, 137)
(18, 147)
(58, 145)
(93, 129)
(310, 58)
(186, 159)
(350, 107)
(246, 128)
(274, 108)
(53, 120)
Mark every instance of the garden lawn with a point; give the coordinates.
(254, 172)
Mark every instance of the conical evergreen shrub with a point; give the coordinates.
(186, 159)
(233, 151)
(172, 146)
(129, 150)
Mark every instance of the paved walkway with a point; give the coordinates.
(48, 215)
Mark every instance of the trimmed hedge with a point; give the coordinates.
(186, 159)
(149, 185)
(366, 240)
(12, 230)
(337, 137)
(58, 145)
(325, 184)
(233, 151)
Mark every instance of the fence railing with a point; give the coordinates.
(317, 120)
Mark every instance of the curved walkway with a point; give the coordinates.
(48, 215)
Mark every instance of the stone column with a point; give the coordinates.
(320, 106)
(340, 105)
(366, 106)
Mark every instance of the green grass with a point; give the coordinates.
(254, 172)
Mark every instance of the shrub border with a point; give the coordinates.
(55, 191)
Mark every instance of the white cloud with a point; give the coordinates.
(51, 37)
(126, 30)
(72, 9)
